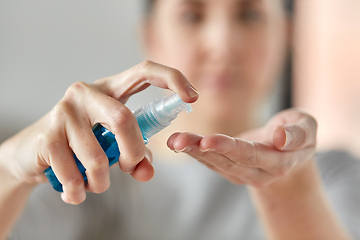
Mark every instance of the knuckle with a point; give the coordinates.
(121, 117)
(132, 158)
(74, 182)
(42, 139)
(137, 155)
(49, 147)
(53, 145)
(59, 112)
(76, 89)
(100, 188)
(98, 164)
(145, 65)
(176, 74)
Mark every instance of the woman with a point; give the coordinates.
(233, 52)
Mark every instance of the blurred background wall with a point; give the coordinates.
(45, 46)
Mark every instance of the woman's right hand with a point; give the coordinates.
(67, 129)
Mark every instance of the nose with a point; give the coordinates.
(221, 43)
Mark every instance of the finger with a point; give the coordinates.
(96, 107)
(171, 139)
(144, 171)
(125, 84)
(295, 136)
(290, 137)
(255, 155)
(55, 151)
(291, 129)
(229, 167)
(89, 152)
(220, 149)
(190, 143)
(210, 156)
(130, 142)
(62, 162)
(183, 142)
(244, 152)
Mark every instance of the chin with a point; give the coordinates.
(221, 105)
(228, 96)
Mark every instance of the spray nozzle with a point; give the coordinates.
(158, 114)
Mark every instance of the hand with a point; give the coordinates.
(67, 129)
(267, 154)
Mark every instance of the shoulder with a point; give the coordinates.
(338, 164)
(336, 155)
(340, 173)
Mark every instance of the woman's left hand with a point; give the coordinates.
(258, 157)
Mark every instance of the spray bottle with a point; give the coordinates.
(152, 118)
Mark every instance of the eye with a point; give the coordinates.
(191, 17)
(250, 16)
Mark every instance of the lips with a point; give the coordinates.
(219, 82)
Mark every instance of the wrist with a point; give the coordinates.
(13, 195)
(8, 178)
(296, 207)
(301, 180)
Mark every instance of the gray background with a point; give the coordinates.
(45, 46)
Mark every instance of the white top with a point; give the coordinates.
(183, 201)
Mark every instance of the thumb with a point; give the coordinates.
(291, 137)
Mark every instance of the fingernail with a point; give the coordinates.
(185, 149)
(150, 160)
(148, 157)
(130, 169)
(191, 91)
(64, 197)
(207, 150)
(288, 140)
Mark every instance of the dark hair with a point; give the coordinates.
(149, 4)
(289, 6)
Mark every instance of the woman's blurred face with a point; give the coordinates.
(231, 50)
